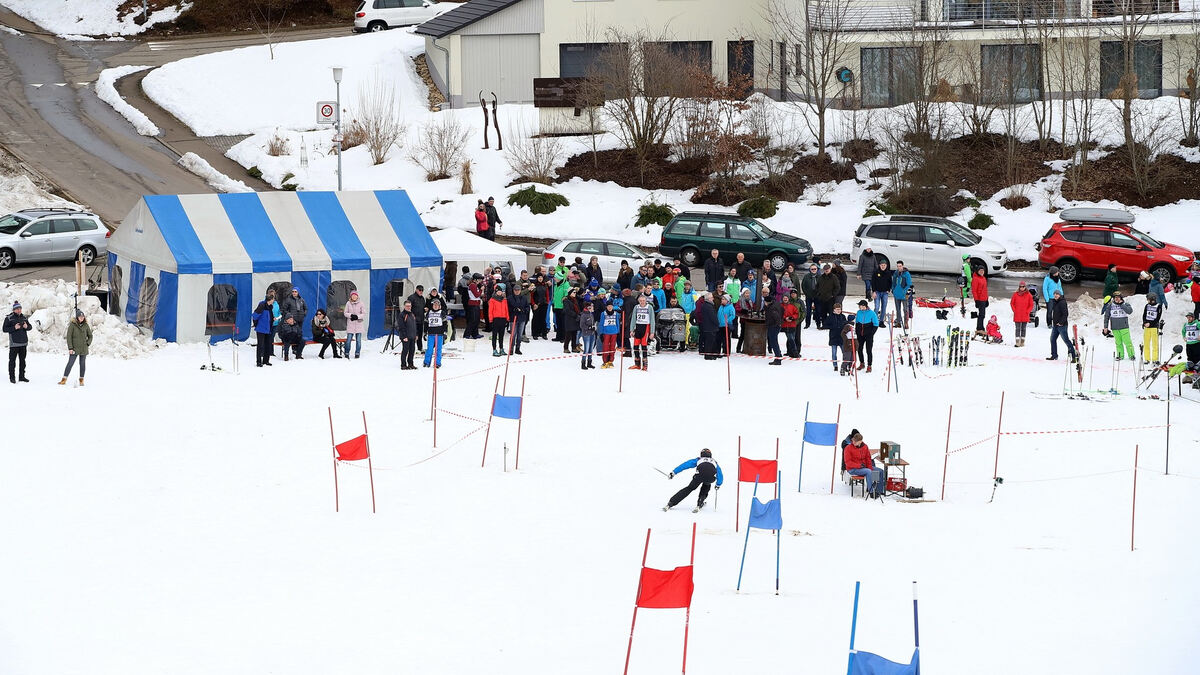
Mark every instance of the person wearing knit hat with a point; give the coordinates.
(17, 326)
(79, 340)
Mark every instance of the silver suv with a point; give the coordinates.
(41, 235)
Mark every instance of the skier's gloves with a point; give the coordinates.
(670, 475)
(716, 487)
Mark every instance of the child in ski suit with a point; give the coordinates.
(707, 471)
(1151, 323)
(609, 327)
(993, 331)
(1116, 318)
(835, 322)
(847, 348)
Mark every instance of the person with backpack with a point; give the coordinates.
(901, 283)
(866, 270)
(435, 332)
(1116, 319)
(857, 459)
(708, 473)
(406, 328)
(356, 323)
(1023, 305)
(79, 340)
(866, 322)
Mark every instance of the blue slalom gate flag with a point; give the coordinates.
(767, 516)
(508, 407)
(820, 433)
(866, 663)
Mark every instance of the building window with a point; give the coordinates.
(1145, 68)
(335, 303)
(221, 315)
(148, 303)
(890, 75)
(1011, 73)
(696, 55)
(581, 59)
(114, 291)
(1107, 8)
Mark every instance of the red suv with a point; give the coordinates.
(1089, 240)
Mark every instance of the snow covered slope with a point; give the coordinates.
(92, 17)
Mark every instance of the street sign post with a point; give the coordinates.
(326, 112)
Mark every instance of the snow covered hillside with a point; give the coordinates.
(270, 98)
(92, 17)
(201, 536)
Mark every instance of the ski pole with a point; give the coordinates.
(660, 471)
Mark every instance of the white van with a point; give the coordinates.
(376, 15)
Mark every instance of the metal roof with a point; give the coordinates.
(462, 16)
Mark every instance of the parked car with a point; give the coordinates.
(692, 234)
(1086, 241)
(927, 244)
(376, 15)
(609, 253)
(42, 235)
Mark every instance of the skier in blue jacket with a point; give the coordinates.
(1050, 284)
(263, 318)
(707, 471)
(901, 282)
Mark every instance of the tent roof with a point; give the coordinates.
(460, 246)
(276, 232)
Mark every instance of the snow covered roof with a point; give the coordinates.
(464, 247)
(276, 232)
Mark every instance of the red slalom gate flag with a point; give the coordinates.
(765, 469)
(666, 589)
(353, 449)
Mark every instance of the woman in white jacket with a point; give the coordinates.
(356, 316)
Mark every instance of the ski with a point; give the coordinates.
(1078, 360)
(697, 509)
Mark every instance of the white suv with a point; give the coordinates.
(376, 15)
(927, 244)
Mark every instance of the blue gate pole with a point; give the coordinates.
(746, 543)
(853, 626)
(803, 432)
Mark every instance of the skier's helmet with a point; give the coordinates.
(706, 453)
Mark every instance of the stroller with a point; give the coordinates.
(1033, 313)
(672, 329)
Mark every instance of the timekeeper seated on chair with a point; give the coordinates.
(857, 458)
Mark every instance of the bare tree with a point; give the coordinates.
(1077, 65)
(779, 139)
(977, 103)
(644, 83)
(1128, 29)
(533, 157)
(378, 115)
(267, 17)
(1038, 28)
(1186, 62)
(440, 145)
(821, 33)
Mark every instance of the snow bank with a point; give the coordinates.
(92, 17)
(19, 192)
(219, 181)
(50, 306)
(107, 91)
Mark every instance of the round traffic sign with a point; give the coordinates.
(326, 110)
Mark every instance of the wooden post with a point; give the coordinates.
(946, 458)
(370, 469)
(333, 447)
(491, 414)
(999, 422)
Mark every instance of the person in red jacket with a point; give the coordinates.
(1195, 290)
(858, 461)
(498, 314)
(1022, 307)
(979, 293)
(474, 300)
(481, 221)
(791, 319)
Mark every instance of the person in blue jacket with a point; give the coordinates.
(1156, 289)
(660, 296)
(726, 320)
(1050, 284)
(866, 322)
(707, 471)
(264, 323)
(901, 282)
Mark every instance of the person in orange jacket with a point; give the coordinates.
(857, 458)
(498, 314)
(979, 293)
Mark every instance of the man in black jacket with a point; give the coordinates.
(291, 334)
(773, 312)
(418, 309)
(1057, 309)
(825, 292)
(295, 307)
(17, 327)
(741, 267)
(709, 328)
(407, 329)
(493, 218)
(714, 271)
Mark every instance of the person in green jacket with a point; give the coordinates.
(965, 280)
(561, 287)
(79, 338)
(733, 287)
(1110, 281)
(1191, 336)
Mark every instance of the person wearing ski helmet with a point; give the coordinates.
(1116, 320)
(707, 472)
(1152, 323)
(1050, 284)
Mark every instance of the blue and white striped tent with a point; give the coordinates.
(193, 267)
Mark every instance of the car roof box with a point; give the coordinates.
(1097, 215)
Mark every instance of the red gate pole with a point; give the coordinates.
(333, 446)
(737, 511)
(491, 413)
(836, 449)
(776, 466)
(1133, 511)
(629, 649)
(687, 616)
(520, 417)
(946, 459)
(999, 423)
(370, 469)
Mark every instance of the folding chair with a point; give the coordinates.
(860, 481)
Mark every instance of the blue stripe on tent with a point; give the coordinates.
(256, 232)
(376, 317)
(313, 287)
(407, 224)
(166, 315)
(137, 274)
(176, 229)
(242, 285)
(332, 226)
